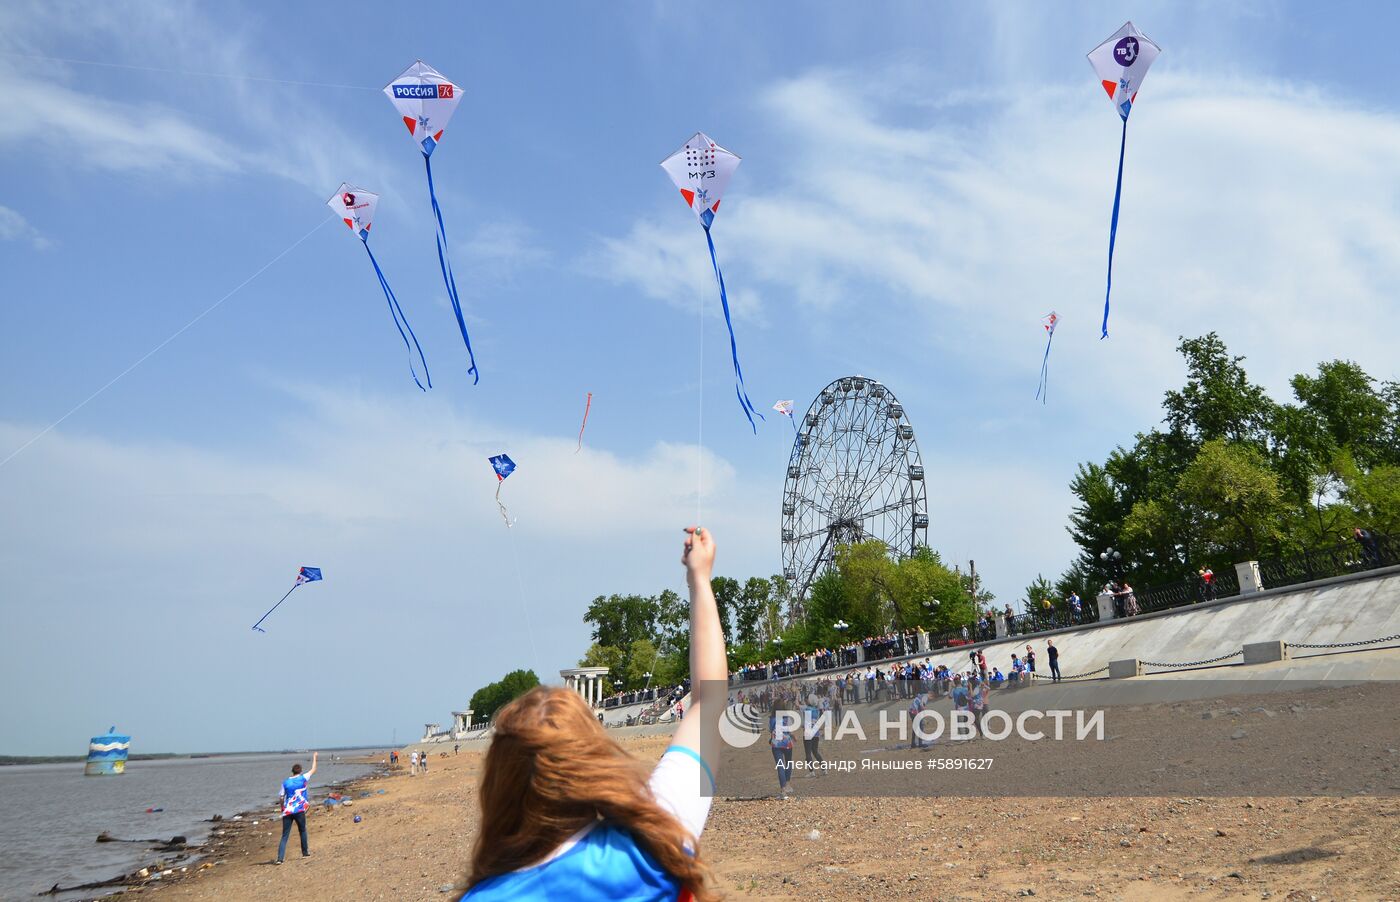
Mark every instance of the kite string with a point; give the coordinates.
(700, 416)
(524, 603)
(174, 335)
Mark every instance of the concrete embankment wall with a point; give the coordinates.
(1343, 609)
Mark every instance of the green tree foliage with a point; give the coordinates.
(1232, 475)
(489, 699)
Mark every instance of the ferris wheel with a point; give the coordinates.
(854, 475)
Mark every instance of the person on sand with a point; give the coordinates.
(294, 803)
(423, 762)
(568, 813)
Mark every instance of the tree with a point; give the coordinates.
(489, 699)
(620, 620)
(642, 659)
(750, 614)
(1218, 400)
(1239, 501)
(727, 592)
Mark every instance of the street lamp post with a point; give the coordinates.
(1113, 560)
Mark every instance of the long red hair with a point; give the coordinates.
(551, 770)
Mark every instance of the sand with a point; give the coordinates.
(414, 840)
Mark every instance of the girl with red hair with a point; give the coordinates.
(567, 813)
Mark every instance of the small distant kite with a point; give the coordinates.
(1049, 321)
(785, 408)
(503, 466)
(701, 170)
(1121, 62)
(426, 100)
(304, 575)
(355, 206)
(586, 405)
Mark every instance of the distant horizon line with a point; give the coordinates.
(151, 756)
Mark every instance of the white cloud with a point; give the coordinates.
(163, 554)
(205, 117)
(14, 227)
(1267, 215)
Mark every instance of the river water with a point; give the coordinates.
(50, 814)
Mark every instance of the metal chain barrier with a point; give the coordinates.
(1073, 676)
(1342, 644)
(1233, 654)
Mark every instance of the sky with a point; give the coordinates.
(200, 389)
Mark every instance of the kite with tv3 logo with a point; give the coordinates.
(304, 575)
(426, 101)
(355, 206)
(701, 170)
(1049, 321)
(1121, 63)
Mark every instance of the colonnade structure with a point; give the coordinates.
(589, 682)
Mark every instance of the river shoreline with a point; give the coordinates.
(230, 836)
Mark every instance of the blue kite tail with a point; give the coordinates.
(401, 322)
(273, 608)
(1042, 393)
(739, 389)
(447, 278)
(1113, 227)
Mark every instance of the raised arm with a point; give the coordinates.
(313, 766)
(709, 664)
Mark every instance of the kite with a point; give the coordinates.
(785, 408)
(304, 575)
(1049, 321)
(701, 170)
(356, 207)
(1121, 62)
(586, 405)
(503, 466)
(426, 100)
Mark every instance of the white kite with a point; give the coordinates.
(426, 100)
(701, 170)
(1121, 62)
(355, 207)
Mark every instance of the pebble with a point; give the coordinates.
(446, 888)
(1238, 734)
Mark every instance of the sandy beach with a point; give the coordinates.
(413, 842)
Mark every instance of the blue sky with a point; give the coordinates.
(921, 182)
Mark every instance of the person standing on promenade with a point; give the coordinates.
(1030, 660)
(1053, 654)
(294, 804)
(567, 813)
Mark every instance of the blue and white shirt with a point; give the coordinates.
(603, 861)
(294, 798)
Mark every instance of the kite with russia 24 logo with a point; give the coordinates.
(426, 100)
(503, 466)
(355, 206)
(1121, 62)
(701, 170)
